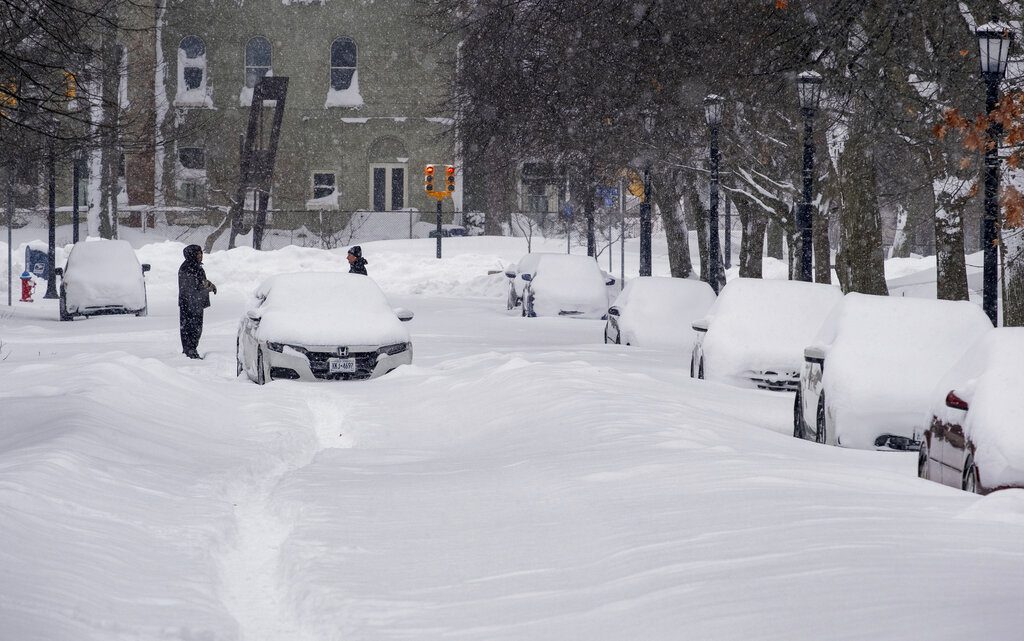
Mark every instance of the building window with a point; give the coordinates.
(323, 185)
(192, 157)
(192, 79)
(192, 60)
(387, 187)
(343, 63)
(258, 54)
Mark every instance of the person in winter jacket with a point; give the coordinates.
(356, 262)
(193, 297)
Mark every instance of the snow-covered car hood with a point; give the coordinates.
(989, 377)
(103, 273)
(659, 312)
(326, 308)
(763, 325)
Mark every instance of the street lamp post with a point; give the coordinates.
(994, 43)
(808, 86)
(76, 179)
(51, 218)
(646, 225)
(713, 108)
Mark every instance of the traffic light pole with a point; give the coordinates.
(439, 230)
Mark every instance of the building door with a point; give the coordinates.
(387, 187)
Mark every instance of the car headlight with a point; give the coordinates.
(279, 347)
(394, 349)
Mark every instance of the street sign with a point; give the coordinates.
(610, 195)
(567, 211)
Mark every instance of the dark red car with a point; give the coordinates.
(975, 439)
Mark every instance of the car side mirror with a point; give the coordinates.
(526, 277)
(700, 325)
(59, 271)
(814, 354)
(613, 311)
(610, 281)
(145, 267)
(510, 274)
(403, 314)
(254, 314)
(955, 402)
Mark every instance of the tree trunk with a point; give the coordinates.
(1013, 277)
(752, 243)
(496, 185)
(700, 217)
(111, 156)
(822, 248)
(776, 240)
(668, 197)
(949, 196)
(859, 262)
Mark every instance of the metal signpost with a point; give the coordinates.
(439, 195)
(567, 214)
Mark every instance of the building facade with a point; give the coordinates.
(363, 115)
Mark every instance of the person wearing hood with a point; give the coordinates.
(356, 262)
(193, 297)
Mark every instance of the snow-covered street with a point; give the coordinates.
(521, 480)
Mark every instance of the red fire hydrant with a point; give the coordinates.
(27, 287)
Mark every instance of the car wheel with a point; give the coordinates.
(820, 425)
(261, 374)
(64, 315)
(798, 416)
(970, 481)
(238, 358)
(922, 460)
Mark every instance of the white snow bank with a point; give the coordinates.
(990, 378)
(760, 325)
(569, 283)
(104, 273)
(659, 312)
(326, 309)
(885, 356)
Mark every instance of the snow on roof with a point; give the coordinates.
(326, 308)
(759, 324)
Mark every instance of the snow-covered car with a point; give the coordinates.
(429, 230)
(755, 333)
(102, 277)
(566, 285)
(321, 326)
(974, 440)
(516, 285)
(658, 312)
(867, 378)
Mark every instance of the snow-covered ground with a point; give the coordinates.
(521, 480)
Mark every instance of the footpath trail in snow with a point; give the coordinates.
(520, 481)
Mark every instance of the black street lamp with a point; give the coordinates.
(646, 225)
(76, 179)
(994, 43)
(713, 108)
(808, 85)
(51, 218)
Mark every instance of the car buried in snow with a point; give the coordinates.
(755, 333)
(974, 439)
(566, 285)
(321, 326)
(658, 312)
(102, 277)
(514, 272)
(868, 376)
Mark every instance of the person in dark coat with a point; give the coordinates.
(356, 262)
(193, 297)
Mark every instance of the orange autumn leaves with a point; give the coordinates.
(1009, 115)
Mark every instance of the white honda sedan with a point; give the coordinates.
(321, 326)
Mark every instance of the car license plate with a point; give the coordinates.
(341, 365)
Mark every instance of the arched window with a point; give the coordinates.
(192, 63)
(343, 63)
(258, 55)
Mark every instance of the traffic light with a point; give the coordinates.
(449, 178)
(428, 178)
